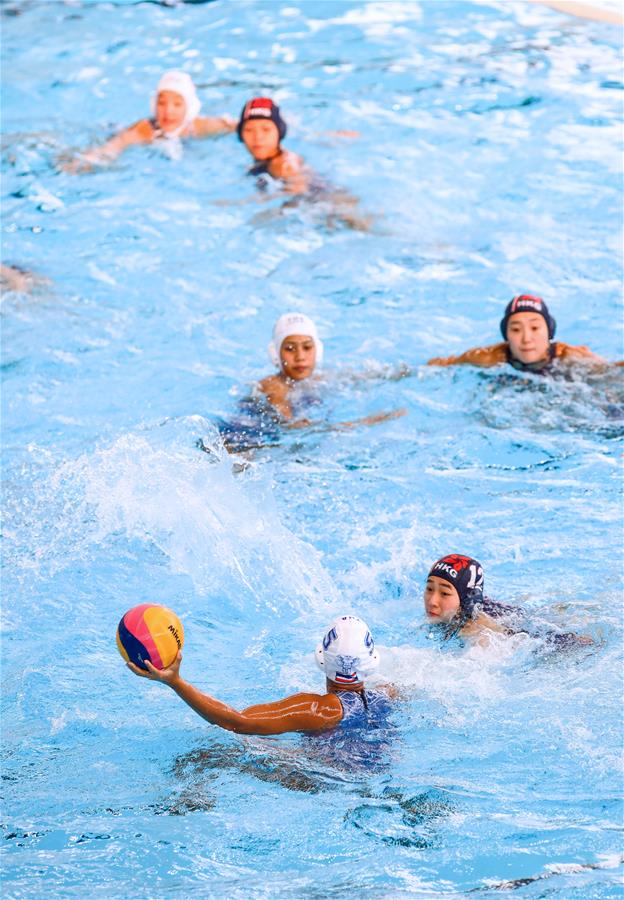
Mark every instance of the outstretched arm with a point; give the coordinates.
(207, 126)
(486, 357)
(584, 10)
(139, 133)
(300, 712)
(375, 419)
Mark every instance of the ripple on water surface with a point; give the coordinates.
(489, 159)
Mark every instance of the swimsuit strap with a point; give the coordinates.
(158, 132)
(259, 168)
(347, 700)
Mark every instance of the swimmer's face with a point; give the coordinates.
(527, 334)
(261, 138)
(298, 356)
(170, 110)
(441, 600)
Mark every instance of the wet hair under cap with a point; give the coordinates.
(261, 108)
(466, 576)
(531, 304)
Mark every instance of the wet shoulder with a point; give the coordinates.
(286, 165)
(143, 131)
(576, 353)
(492, 355)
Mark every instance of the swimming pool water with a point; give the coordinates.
(489, 153)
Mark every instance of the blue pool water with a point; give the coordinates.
(490, 156)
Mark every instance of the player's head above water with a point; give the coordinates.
(295, 348)
(347, 652)
(528, 327)
(175, 105)
(261, 128)
(261, 109)
(454, 586)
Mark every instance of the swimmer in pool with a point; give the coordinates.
(262, 129)
(454, 599)
(346, 655)
(14, 278)
(296, 351)
(175, 114)
(528, 330)
(281, 400)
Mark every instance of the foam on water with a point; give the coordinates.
(488, 155)
(210, 524)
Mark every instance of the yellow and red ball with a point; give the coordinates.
(150, 632)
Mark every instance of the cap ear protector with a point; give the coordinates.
(528, 303)
(261, 108)
(347, 653)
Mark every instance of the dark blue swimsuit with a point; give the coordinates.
(256, 425)
(318, 189)
(363, 738)
(538, 368)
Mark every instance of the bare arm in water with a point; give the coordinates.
(276, 389)
(584, 11)
(143, 132)
(299, 712)
(496, 354)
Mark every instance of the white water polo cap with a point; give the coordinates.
(179, 83)
(293, 323)
(347, 652)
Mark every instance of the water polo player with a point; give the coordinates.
(528, 330)
(297, 352)
(454, 599)
(284, 400)
(175, 114)
(261, 128)
(346, 655)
